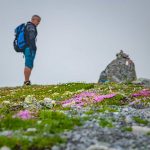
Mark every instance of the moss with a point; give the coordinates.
(57, 120)
(106, 108)
(129, 129)
(148, 133)
(105, 123)
(47, 122)
(124, 89)
(14, 143)
(90, 112)
(102, 109)
(85, 118)
(116, 100)
(9, 123)
(65, 108)
(5, 110)
(38, 143)
(140, 121)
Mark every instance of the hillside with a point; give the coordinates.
(75, 116)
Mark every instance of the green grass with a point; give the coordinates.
(39, 143)
(51, 122)
(148, 133)
(40, 92)
(140, 121)
(106, 108)
(128, 129)
(102, 109)
(55, 121)
(90, 112)
(85, 118)
(106, 123)
(9, 123)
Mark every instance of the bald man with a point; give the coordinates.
(30, 50)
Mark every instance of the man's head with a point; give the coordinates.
(35, 20)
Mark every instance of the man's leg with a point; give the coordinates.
(27, 73)
(29, 59)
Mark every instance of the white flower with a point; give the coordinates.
(6, 102)
(55, 94)
(79, 91)
(49, 102)
(67, 93)
(53, 102)
(29, 99)
(39, 122)
(31, 130)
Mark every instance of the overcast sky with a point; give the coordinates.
(76, 39)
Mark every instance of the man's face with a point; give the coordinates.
(36, 21)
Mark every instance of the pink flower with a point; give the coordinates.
(25, 114)
(102, 97)
(98, 98)
(85, 98)
(144, 92)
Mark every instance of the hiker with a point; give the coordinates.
(30, 50)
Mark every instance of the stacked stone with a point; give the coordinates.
(122, 69)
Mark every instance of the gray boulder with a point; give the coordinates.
(122, 69)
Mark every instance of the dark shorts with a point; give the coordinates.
(29, 57)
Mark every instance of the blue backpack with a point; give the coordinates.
(20, 39)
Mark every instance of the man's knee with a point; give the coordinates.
(29, 65)
(27, 68)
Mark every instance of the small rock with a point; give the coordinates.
(99, 147)
(31, 103)
(138, 130)
(128, 119)
(126, 109)
(76, 137)
(6, 133)
(5, 148)
(55, 148)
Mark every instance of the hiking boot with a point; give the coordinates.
(27, 83)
